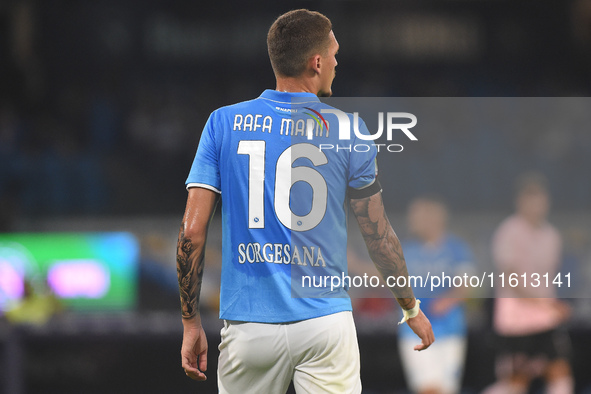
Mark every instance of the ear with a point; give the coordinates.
(315, 63)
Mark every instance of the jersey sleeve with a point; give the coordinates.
(363, 168)
(205, 171)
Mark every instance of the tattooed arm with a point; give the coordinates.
(190, 254)
(386, 252)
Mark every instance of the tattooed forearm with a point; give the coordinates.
(189, 268)
(383, 244)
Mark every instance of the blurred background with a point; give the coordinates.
(101, 108)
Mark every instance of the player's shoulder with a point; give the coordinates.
(335, 116)
(236, 107)
(323, 106)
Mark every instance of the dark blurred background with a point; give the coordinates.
(101, 108)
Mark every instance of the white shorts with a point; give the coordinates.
(440, 366)
(320, 355)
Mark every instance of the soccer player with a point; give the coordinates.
(284, 217)
(434, 251)
(528, 319)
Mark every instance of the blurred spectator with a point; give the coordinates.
(438, 370)
(528, 318)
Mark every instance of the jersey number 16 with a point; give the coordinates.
(285, 177)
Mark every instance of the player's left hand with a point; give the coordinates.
(422, 327)
(194, 351)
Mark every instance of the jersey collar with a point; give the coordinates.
(289, 97)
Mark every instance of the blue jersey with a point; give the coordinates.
(451, 257)
(284, 175)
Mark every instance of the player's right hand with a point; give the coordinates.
(194, 352)
(422, 327)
